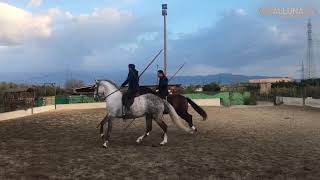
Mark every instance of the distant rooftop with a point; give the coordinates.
(271, 80)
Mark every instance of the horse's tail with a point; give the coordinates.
(198, 109)
(175, 117)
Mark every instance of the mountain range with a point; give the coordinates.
(118, 77)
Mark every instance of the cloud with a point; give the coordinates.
(242, 43)
(237, 40)
(19, 26)
(201, 69)
(100, 38)
(34, 3)
(107, 39)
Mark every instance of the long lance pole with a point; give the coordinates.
(174, 75)
(168, 81)
(141, 73)
(151, 62)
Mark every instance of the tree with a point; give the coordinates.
(189, 90)
(211, 87)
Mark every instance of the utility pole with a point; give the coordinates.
(164, 14)
(302, 71)
(310, 65)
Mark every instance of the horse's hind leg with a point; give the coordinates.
(188, 118)
(148, 129)
(164, 127)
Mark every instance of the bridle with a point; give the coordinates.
(97, 91)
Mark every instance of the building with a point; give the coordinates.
(265, 84)
(199, 89)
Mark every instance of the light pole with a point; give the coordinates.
(164, 14)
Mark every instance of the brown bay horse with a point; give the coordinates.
(180, 104)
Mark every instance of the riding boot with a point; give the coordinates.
(125, 111)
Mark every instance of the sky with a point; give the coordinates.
(210, 36)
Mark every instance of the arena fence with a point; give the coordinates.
(44, 101)
(299, 92)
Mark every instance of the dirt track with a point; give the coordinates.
(245, 143)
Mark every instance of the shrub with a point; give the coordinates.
(251, 100)
(211, 87)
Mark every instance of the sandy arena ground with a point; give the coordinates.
(234, 143)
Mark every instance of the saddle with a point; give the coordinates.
(136, 95)
(127, 103)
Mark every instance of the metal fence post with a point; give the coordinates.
(303, 92)
(55, 96)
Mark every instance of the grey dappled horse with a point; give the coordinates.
(148, 105)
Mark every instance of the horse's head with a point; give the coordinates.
(104, 88)
(99, 92)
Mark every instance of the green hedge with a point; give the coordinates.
(62, 100)
(80, 99)
(74, 99)
(40, 102)
(227, 98)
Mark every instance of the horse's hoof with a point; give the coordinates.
(163, 143)
(139, 140)
(105, 145)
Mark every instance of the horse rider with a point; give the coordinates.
(163, 85)
(133, 89)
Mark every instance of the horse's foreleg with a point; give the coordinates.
(104, 120)
(148, 129)
(108, 133)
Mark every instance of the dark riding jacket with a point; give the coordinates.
(163, 87)
(132, 80)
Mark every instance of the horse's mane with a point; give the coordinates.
(111, 82)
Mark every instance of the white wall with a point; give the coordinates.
(23, 113)
(36, 110)
(14, 114)
(298, 101)
(82, 106)
(28, 112)
(207, 102)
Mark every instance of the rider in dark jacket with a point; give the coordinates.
(133, 89)
(163, 85)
